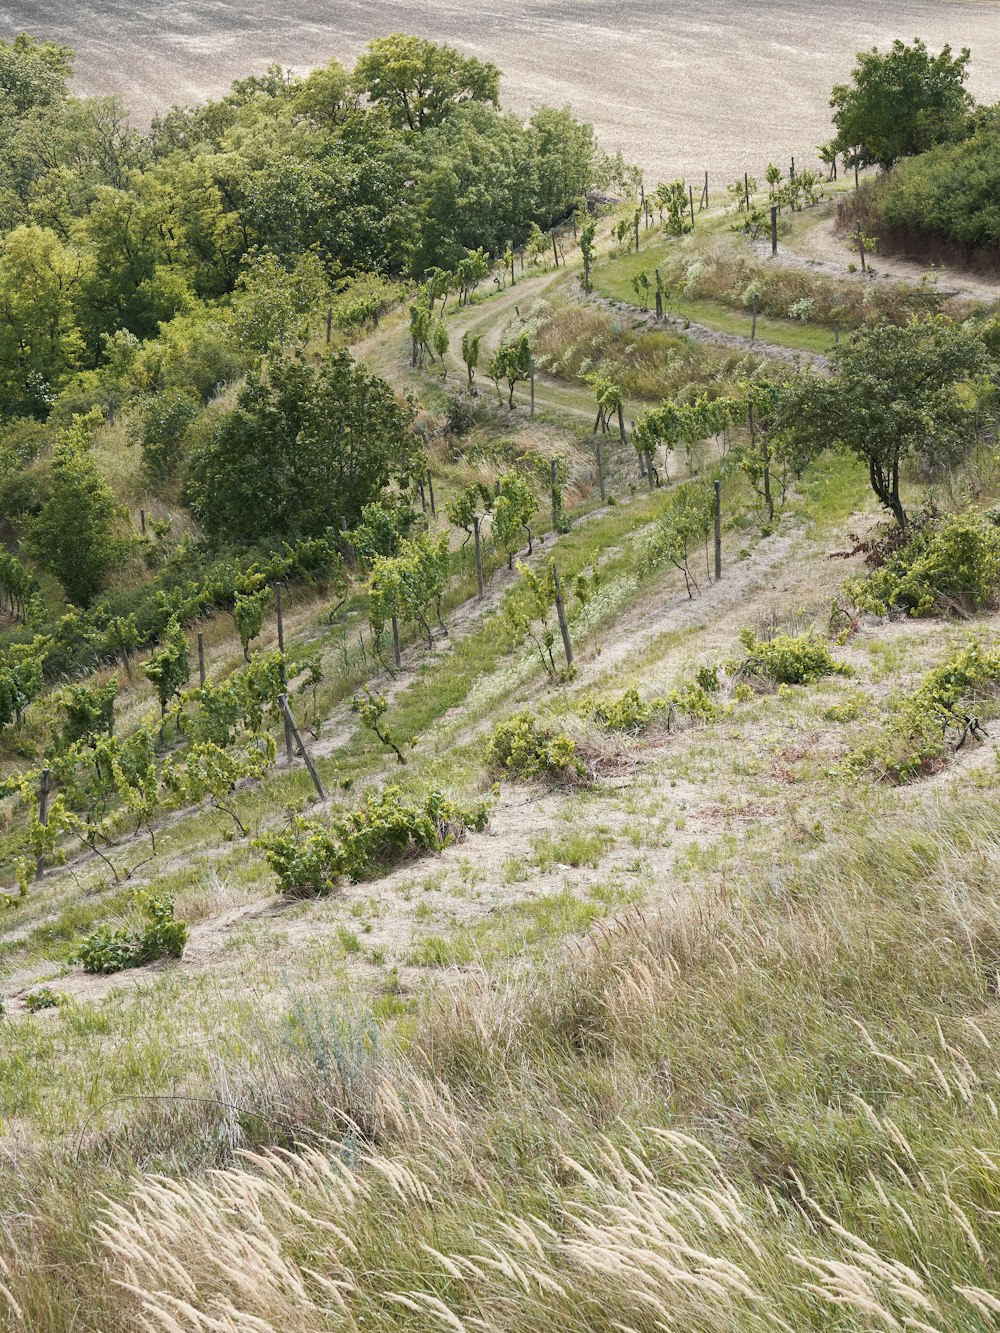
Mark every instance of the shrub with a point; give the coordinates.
(107, 950)
(630, 713)
(526, 748)
(786, 659)
(312, 859)
(43, 998)
(939, 205)
(954, 565)
(90, 712)
(163, 429)
(168, 668)
(249, 610)
(935, 720)
(80, 533)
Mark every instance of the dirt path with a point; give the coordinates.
(817, 247)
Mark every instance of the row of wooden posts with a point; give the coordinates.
(293, 737)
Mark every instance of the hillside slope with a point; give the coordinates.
(699, 1036)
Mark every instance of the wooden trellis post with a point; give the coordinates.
(718, 530)
(290, 723)
(563, 622)
(479, 555)
(43, 815)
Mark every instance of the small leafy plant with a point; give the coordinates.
(162, 935)
(522, 746)
(371, 708)
(249, 609)
(44, 998)
(786, 659)
(953, 565)
(935, 720)
(631, 713)
(311, 859)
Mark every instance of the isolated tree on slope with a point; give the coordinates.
(900, 103)
(894, 392)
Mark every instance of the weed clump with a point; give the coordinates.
(631, 714)
(43, 998)
(935, 720)
(162, 936)
(523, 747)
(951, 566)
(786, 659)
(311, 859)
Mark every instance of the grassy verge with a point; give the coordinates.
(778, 1112)
(613, 279)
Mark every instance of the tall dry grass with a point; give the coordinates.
(716, 271)
(777, 1109)
(575, 341)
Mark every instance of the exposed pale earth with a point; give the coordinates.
(682, 88)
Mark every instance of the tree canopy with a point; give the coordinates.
(894, 392)
(900, 102)
(419, 82)
(305, 446)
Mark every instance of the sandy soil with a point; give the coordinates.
(818, 246)
(691, 86)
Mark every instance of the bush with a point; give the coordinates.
(954, 565)
(43, 998)
(786, 659)
(523, 747)
(631, 713)
(628, 713)
(90, 712)
(304, 447)
(940, 205)
(312, 858)
(107, 950)
(935, 720)
(163, 430)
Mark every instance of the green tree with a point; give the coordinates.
(163, 427)
(512, 362)
(33, 74)
(566, 154)
(514, 507)
(420, 331)
(305, 446)
(463, 507)
(275, 303)
(671, 197)
(248, 612)
(610, 402)
(471, 269)
(588, 249)
(439, 338)
(79, 533)
(419, 82)
(901, 102)
(894, 392)
(40, 338)
(409, 586)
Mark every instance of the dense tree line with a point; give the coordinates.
(907, 111)
(141, 273)
(404, 164)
